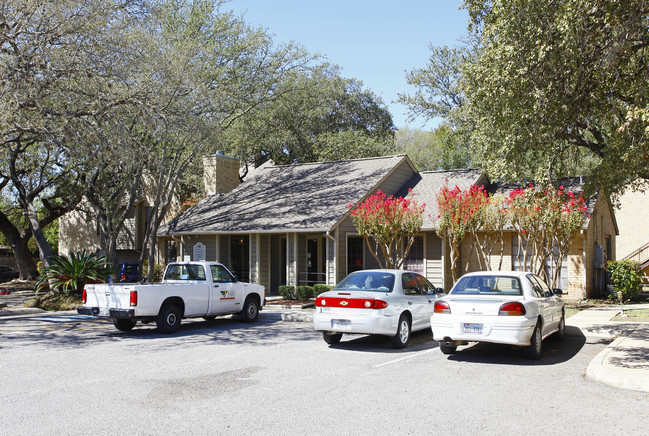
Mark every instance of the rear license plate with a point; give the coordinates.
(472, 328)
(341, 324)
(103, 311)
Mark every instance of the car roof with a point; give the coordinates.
(497, 274)
(393, 271)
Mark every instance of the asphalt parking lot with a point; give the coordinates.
(75, 375)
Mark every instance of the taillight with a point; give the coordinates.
(122, 277)
(442, 307)
(513, 309)
(84, 296)
(351, 303)
(380, 304)
(133, 298)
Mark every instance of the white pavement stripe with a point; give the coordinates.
(412, 356)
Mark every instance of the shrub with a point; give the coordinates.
(69, 274)
(319, 288)
(304, 292)
(287, 292)
(158, 271)
(625, 277)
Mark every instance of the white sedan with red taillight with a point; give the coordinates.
(503, 307)
(392, 303)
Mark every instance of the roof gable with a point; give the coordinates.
(303, 197)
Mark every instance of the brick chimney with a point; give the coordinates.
(220, 173)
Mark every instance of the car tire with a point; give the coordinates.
(124, 325)
(533, 351)
(168, 320)
(447, 349)
(250, 311)
(561, 332)
(400, 340)
(332, 338)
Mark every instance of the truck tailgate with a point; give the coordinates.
(109, 296)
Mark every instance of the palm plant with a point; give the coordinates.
(69, 274)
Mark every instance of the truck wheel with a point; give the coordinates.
(124, 325)
(332, 338)
(168, 320)
(250, 310)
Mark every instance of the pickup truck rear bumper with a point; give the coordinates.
(112, 313)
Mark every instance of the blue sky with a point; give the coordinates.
(375, 41)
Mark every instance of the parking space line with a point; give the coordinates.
(401, 359)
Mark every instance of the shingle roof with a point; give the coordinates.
(426, 186)
(303, 197)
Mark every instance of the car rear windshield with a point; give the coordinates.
(488, 285)
(185, 272)
(375, 281)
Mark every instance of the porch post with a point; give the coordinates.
(291, 259)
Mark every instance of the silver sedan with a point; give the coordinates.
(392, 303)
(503, 307)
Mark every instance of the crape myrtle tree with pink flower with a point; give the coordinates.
(545, 218)
(388, 225)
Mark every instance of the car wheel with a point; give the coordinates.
(447, 349)
(400, 340)
(533, 351)
(562, 326)
(250, 310)
(124, 325)
(168, 320)
(332, 338)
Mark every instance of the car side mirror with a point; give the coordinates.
(440, 290)
(557, 291)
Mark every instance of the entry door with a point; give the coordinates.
(314, 261)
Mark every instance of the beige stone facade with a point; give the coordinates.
(633, 222)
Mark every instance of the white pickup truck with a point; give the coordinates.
(188, 289)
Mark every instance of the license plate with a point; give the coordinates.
(472, 328)
(341, 324)
(103, 311)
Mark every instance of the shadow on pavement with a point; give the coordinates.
(419, 341)
(555, 351)
(86, 333)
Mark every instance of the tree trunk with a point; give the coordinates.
(24, 261)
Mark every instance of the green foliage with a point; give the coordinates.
(391, 223)
(319, 288)
(68, 274)
(316, 115)
(625, 275)
(442, 149)
(158, 271)
(561, 82)
(304, 292)
(288, 292)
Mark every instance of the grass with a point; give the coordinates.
(634, 315)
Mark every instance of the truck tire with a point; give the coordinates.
(124, 324)
(250, 310)
(168, 320)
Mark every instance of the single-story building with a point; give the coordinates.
(289, 224)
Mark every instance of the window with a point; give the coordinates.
(413, 285)
(415, 260)
(368, 281)
(354, 254)
(220, 274)
(185, 272)
(487, 285)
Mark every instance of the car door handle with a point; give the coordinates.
(409, 302)
(216, 286)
